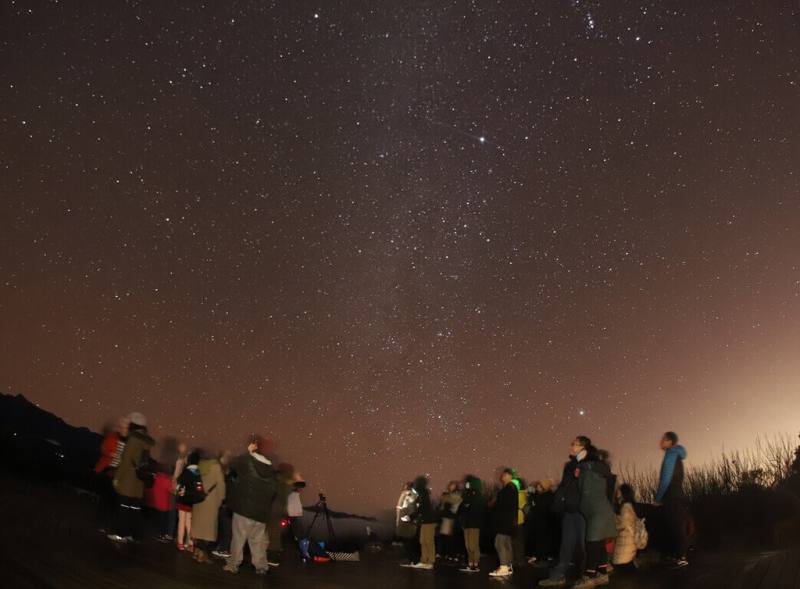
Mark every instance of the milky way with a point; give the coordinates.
(434, 236)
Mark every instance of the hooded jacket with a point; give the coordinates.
(473, 507)
(670, 484)
(253, 488)
(136, 452)
(593, 484)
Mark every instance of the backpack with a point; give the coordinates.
(145, 470)
(640, 535)
(190, 489)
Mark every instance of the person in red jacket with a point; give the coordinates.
(159, 499)
(110, 453)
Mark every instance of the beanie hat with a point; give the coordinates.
(137, 418)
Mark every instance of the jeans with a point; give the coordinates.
(427, 543)
(472, 539)
(253, 533)
(573, 538)
(504, 544)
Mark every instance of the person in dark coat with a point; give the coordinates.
(541, 522)
(596, 487)
(252, 493)
(428, 519)
(573, 526)
(471, 513)
(671, 496)
(505, 522)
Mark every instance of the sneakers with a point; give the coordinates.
(224, 554)
(502, 571)
(229, 568)
(557, 582)
(682, 562)
(117, 538)
(273, 563)
(589, 581)
(470, 569)
(421, 566)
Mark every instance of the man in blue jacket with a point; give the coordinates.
(670, 494)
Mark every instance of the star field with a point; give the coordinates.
(401, 238)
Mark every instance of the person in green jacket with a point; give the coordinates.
(127, 484)
(595, 490)
(251, 496)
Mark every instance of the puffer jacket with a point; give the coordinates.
(253, 488)
(625, 547)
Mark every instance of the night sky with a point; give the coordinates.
(400, 237)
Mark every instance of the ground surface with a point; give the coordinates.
(49, 539)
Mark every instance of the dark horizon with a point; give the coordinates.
(430, 238)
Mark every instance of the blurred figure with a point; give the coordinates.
(519, 539)
(253, 489)
(177, 471)
(573, 526)
(472, 512)
(449, 503)
(223, 549)
(158, 499)
(670, 494)
(427, 519)
(406, 526)
(280, 505)
(185, 500)
(595, 487)
(625, 547)
(541, 523)
(506, 522)
(205, 515)
(127, 482)
(111, 449)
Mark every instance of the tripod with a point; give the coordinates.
(321, 508)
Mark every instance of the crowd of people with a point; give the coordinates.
(214, 505)
(208, 505)
(584, 527)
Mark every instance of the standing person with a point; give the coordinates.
(280, 506)
(406, 526)
(158, 499)
(426, 516)
(254, 488)
(205, 515)
(540, 523)
(177, 470)
(670, 494)
(449, 503)
(518, 542)
(625, 547)
(223, 549)
(185, 500)
(127, 484)
(110, 454)
(595, 488)
(473, 508)
(573, 526)
(506, 509)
